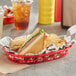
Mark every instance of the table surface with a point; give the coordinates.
(65, 66)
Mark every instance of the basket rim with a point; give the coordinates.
(9, 17)
(52, 52)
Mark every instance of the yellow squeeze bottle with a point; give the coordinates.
(46, 11)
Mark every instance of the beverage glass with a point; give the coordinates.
(21, 9)
(46, 11)
(1, 20)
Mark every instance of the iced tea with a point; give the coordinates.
(21, 15)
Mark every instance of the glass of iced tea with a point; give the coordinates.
(21, 10)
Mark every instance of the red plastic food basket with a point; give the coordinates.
(8, 20)
(33, 59)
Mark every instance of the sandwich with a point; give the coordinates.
(17, 43)
(34, 44)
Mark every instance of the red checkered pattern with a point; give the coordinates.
(33, 59)
(8, 20)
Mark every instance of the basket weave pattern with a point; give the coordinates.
(8, 20)
(33, 59)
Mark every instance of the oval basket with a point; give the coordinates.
(33, 59)
(8, 20)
